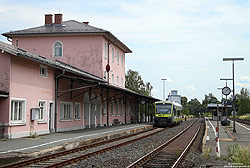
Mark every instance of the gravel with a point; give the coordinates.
(195, 158)
(125, 155)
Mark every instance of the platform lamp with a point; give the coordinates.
(233, 59)
(163, 88)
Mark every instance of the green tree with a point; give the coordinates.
(210, 98)
(135, 83)
(184, 101)
(194, 106)
(186, 111)
(243, 101)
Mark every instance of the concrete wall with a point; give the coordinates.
(27, 84)
(83, 52)
(116, 69)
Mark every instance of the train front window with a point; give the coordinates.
(163, 108)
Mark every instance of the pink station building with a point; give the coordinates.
(64, 76)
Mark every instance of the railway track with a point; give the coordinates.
(172, 152)
(71, 156)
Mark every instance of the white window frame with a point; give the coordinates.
(23, 115)
(105, 75)
(77, 117)
(118, 57)
(62, 103)
(122, 60)
(44, 114)
(117, 80)
(113, 54)
(45, 68)
(105, 50)
(55, 51)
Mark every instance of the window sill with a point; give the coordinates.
(62, 120)
(45, 77)
(78, 119)
(57, 56)
(17, 123)
(42, 122)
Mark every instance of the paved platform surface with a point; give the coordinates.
(70, 139)
(226, 136)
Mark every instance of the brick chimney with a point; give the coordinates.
(58, 19)
(48, 19)
(86, 23)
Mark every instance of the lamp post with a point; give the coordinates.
(233, 59)
(164, 88)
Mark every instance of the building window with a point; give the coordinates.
(18, 111)
(118, 58)
(113, 55)
(105, 75)
(127, 108)
(105, 55)
(122, 82)
(57, 49)
(117, 107)
(121, 108)
(43, 71)
(112, 78)
(122, 60)
(42, 111)
(104, 107)
(112, 107)
(77, 111)
(66, 111)
(117, 80)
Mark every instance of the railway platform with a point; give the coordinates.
(226, 137)
(28, 147)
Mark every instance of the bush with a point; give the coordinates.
(239, 154)
(244, 117)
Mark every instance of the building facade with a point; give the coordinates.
(173, 96)
(53, 78)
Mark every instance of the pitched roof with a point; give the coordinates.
(53, 63)
(68, 28)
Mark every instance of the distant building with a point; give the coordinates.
(173, 96)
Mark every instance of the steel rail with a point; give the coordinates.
(55, 155)
(186, 149)
(143, 159)
(82, 157)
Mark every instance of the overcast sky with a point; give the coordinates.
(181, 40)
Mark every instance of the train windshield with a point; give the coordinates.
(163, 108)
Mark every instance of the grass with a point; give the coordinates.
(33, 135)
(207, 152)
(239, 154)
(244, 117)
